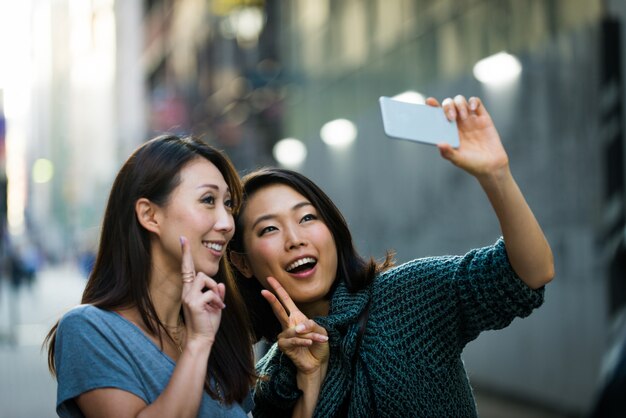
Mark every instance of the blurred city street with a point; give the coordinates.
(27, 389)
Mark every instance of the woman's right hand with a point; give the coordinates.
(202, 300)
(302, 340)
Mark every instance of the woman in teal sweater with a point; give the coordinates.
(395, 334)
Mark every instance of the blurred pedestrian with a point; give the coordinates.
(395, 334)
(162, 330)
(16, 269)
(86, 261)
(24, 261)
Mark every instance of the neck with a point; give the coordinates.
(317, 308)
(165, 292)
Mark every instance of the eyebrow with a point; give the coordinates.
(273, 216)
(212, 186)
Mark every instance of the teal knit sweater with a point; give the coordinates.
(422, 314)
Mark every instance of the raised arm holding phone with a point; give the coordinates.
(395, 334)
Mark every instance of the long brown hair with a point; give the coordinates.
(121, 274)
(354, 270)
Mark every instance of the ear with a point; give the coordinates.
(241, 263)
(146, 215)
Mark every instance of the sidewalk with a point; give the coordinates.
(27, 389)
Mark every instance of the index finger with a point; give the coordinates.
(282, 294)
(431, 101)
(187, 268)
(279, 310)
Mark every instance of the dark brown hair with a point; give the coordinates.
(354, 270)
(121, 274)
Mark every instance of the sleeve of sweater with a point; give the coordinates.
(276, 390)
(456, 297)
(489, 293)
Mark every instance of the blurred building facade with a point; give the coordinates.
(75, 108)
(212, 71)
(243, 74)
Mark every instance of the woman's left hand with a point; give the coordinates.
(480, 151)
(481, 154)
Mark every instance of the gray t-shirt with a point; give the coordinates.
(101, 349)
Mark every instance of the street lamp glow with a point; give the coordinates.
(246, 24)
(290, 152)
(498, 69)
(339, 133)
(43, 170)
(410, 96)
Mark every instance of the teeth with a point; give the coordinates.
(300, 262)
(213, 246)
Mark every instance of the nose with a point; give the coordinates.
(293, 239)
(224, 221)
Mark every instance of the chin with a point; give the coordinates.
(211, 271)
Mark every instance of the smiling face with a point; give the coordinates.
(199, 208)
(285, 238)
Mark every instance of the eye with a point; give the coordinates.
(209, 200)
(267, 229)
(228, 202)
(308, 217)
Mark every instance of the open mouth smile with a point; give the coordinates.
(214, 246)
(302, 264)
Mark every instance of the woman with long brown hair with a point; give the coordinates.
(162, 329)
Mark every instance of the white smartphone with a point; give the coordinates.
(416, 122)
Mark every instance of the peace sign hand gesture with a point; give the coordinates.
(202, 300)
(302, 340)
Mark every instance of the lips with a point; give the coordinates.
(307, 262)
(215, 246)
